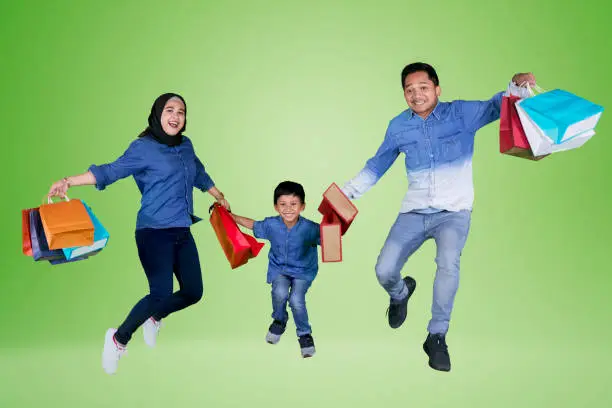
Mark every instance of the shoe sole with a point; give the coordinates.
(272, 338)
(308, 352)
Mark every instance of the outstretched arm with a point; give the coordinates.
(374, 169)
(244, 221)
(214, 191)
(59, 188)
(478, 114)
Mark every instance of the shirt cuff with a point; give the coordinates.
(99, 176)
(361, 183)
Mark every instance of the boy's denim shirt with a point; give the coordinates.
(293, 252)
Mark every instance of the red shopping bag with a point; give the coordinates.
(331, 238)
(26, 240)
(237, 246)
(335, 202)
(512, 139)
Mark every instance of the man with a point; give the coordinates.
(437, 139)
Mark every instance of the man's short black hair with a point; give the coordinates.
(418, 67)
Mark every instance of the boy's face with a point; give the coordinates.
(289, 207)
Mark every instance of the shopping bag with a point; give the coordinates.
(540, 143)
(336, 202)
(66, 224)
(512, 139)
(560, 115)
(331, 238)
(26, 241)
(63, 260)
(237, 246)
(40, 248)
(101, 237)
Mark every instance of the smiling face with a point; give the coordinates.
(289, 208)
(421, 93)
(173, 116)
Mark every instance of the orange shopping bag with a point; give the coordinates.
(66, 224)
(237, 246)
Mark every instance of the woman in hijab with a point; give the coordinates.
(166, 169)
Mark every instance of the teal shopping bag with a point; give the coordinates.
(101, 237)
(561, 115)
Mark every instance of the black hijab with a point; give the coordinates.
(155, 129)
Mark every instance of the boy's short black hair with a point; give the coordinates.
(418, 67)
(289, 188)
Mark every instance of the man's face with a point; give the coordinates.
(421, 93)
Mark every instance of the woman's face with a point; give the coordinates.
(173, 116)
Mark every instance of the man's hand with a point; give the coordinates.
(522, 78)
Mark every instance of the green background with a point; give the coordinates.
(304, 91)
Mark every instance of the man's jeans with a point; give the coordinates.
(408, 233)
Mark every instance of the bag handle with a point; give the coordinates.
(50, 199)
(531, 89)
(219, 205)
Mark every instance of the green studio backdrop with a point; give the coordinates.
(304, 91)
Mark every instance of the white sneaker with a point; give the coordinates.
(150, 330)
(112, 352)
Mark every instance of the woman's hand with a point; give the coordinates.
(59, 188)
(224, 203)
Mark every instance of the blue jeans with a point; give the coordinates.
(408, 233)
(164, 252)
(287, 289)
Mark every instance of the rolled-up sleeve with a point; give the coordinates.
(260, 229)
(202, 180)
(131, 162)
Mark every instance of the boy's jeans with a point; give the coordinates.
(286, 288)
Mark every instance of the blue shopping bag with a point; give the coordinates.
(101, 237)
(40, 248)
(78, 258)
(561, 115)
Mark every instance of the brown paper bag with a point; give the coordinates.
(66, 224)
(331, 238)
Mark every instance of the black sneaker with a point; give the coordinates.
(398, 310)
(437, 350)
(277, 328)
(307, 345)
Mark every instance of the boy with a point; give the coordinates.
(293, 261)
